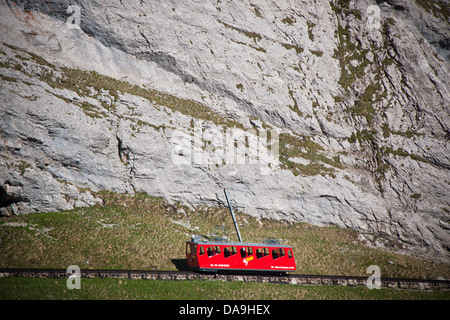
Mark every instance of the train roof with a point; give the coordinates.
(242, 244)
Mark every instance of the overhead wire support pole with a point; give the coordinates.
(232, 215)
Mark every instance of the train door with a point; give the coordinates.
(191, 254)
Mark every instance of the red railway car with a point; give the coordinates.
(217, 255)
(205, 255)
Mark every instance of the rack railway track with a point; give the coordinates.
(294, 279)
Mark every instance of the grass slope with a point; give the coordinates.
(114, 289)
(143, 232)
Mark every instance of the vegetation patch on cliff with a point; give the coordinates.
(92, 84)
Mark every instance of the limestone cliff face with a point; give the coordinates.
(143, 97)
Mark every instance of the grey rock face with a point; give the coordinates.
(356, 95)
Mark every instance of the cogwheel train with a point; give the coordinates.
(214, 256)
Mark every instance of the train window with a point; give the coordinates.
(229, 251)
(259, 253)
(249, 251)
(201, 251)
(210, 251)
(262, 252)
(188, 249)
(289, 253)
(275, 254)
(217, 250)
(282, 253)
(243, 253)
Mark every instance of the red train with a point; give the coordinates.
(217, 255)
(205, 255)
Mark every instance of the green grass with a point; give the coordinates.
(303, 147)
(115, 289)
(143, 232)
